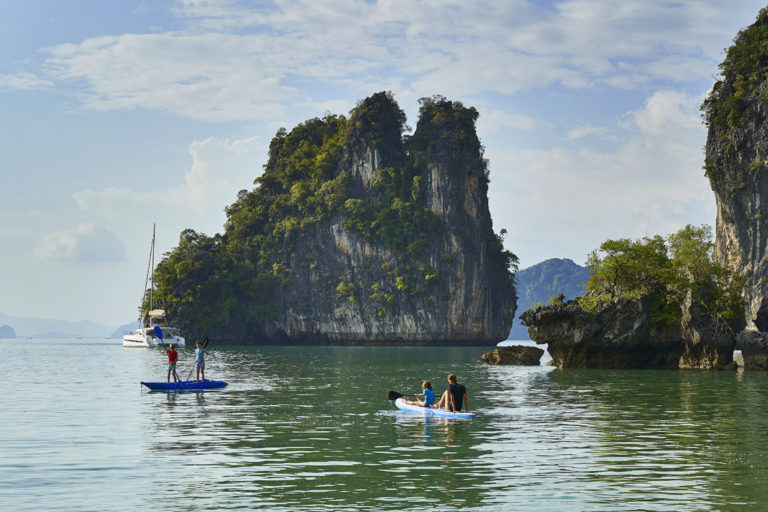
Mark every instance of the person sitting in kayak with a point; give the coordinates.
(454, 397)
(173, 357)
(428, 394)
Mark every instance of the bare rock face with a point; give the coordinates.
(518, 355)
(623, 334)
(754, 349)
(706, 345)
(457, 291)
(620, 335)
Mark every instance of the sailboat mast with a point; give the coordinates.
(152, 270)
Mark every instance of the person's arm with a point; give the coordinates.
(466, 402)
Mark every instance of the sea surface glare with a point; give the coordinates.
(305, 429)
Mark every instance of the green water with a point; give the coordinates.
(311, 429)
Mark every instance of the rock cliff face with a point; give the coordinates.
(622, 334)
(737, 166)
(457, 292)
(387, 240)
(737, 163)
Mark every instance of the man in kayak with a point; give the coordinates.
(428, 394)
(454, 397)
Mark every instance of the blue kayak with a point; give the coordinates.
(185, 385)
(432, 411)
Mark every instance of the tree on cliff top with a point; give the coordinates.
(668, 269)
(745, 67)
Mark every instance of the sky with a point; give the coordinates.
(115, 116)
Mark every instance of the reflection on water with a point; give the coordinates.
(311, 429)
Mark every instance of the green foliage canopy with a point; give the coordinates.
(669, 269)
(744, 68)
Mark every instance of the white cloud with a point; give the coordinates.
(651, 183)
(588, 130)
(24, 81)
(219, 169)
(236, 61)
(668, 108)
(87, 243)
(498, 119)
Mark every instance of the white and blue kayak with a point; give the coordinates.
(432, 411)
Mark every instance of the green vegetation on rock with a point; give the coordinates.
(668, 269)
(745, 67)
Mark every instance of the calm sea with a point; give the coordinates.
(302, 429)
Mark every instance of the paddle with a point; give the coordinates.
(394, 395)
(205, 344)
(159, 334)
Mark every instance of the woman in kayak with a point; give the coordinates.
(428, 394)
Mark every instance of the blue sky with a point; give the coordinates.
(115, 115)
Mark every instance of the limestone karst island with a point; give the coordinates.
(354, 234)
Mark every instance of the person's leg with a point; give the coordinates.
(168, 377)
(202, 372)
(444, 401)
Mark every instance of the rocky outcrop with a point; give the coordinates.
(619, 335)
(707, 343)
(517, 355)
(754, 349)
(6, 331)
(623, 334)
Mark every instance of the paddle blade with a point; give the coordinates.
(205, 342)
(394, 395)
(158, 332)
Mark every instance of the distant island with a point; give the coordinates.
(34, 327)
(540, 283)
(6, 331)
(356, 233)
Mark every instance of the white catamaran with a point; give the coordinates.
(146, 336)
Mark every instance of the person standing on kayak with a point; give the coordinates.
(428, 394)
(173, 357)
(455, 397)
(200, 359)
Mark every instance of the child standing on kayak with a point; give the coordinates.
(173, 357)
(200, 359)
(428, 394)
